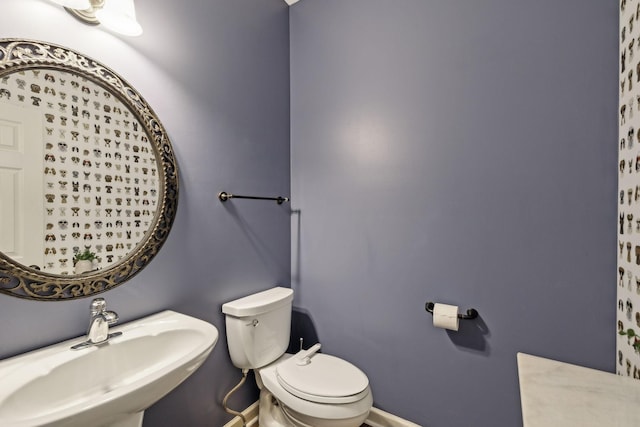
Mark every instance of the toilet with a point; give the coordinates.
(307, 389)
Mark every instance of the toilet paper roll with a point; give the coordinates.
(445, 316)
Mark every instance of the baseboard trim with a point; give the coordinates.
(377, 418)
(250, 414)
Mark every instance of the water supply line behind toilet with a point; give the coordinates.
(228, 395)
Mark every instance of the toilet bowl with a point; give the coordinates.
(327, 391)
(308, 389)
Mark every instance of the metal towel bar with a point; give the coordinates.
(224, 196)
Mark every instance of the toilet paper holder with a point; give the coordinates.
(472, 313)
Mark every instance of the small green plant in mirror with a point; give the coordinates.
(85, 255)
(84, 261)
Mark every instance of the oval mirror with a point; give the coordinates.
(88, 178)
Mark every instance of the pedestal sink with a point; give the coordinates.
(106, 385)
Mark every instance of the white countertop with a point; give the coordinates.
(557, 394)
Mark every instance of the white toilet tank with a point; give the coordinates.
(258, 327)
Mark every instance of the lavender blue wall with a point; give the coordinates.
(462, 152)
(217, 74)
(458, 151)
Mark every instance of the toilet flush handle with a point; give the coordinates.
(303, 357)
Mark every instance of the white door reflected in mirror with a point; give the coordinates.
(21, 185)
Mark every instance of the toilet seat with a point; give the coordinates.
(323, 379)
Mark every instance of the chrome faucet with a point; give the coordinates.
(98, 332)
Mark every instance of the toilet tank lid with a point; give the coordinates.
(258, 303)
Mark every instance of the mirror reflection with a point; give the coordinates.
(88, 179)
(77, 173)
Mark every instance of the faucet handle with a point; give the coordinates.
(111, 317)
(98, 305)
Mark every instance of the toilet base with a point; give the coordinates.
(269, 412)
(272, 413)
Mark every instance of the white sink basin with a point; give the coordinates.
(107, 385)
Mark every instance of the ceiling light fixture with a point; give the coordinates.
(117, 15)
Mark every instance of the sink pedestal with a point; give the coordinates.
(134, 420)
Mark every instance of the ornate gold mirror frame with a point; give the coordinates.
(24, 56)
